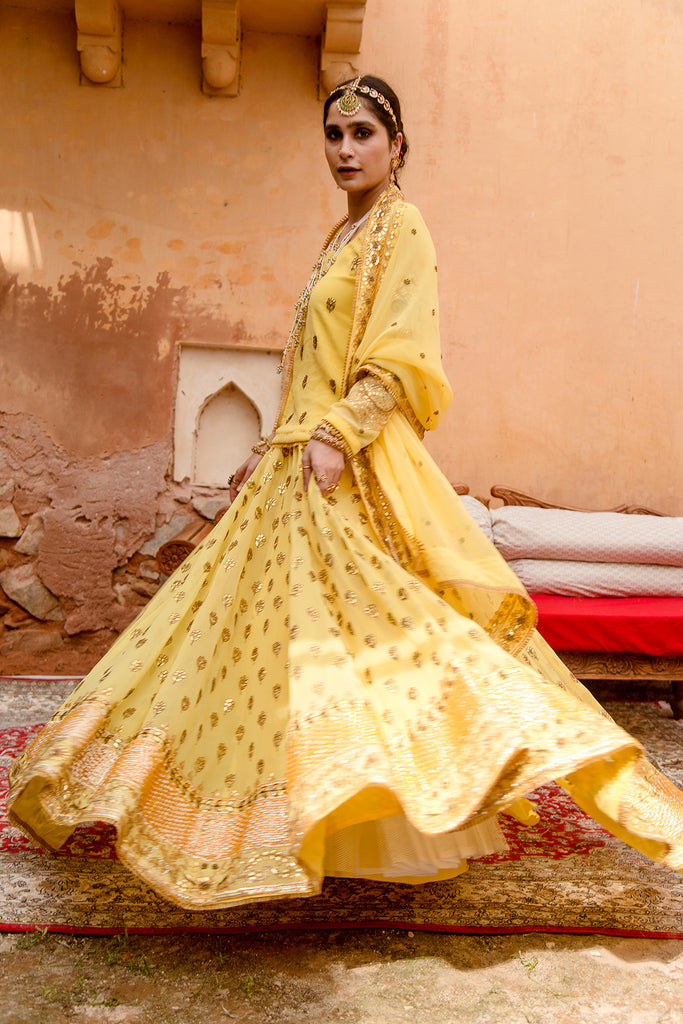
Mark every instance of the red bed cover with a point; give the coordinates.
(642, 625)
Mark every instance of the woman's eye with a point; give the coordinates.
(363, 133)
(333, 133)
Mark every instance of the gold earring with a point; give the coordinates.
(395, 162)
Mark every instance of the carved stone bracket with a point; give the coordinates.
(100, 40)
(340, 44)
(221, 47)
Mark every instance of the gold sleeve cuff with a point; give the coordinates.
(358, 419)
(395, 388)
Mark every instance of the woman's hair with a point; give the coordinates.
(385, 90)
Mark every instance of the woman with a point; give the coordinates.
(343, 678)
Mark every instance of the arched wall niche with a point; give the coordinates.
(228, 425)
(226, 399)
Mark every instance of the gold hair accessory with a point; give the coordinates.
(349, 102)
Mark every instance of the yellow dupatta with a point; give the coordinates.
(418, 516)
(421, 520)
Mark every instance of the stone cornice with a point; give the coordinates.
(100, 34)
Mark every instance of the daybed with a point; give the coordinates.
(608, 586)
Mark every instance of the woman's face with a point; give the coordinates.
(359, 151)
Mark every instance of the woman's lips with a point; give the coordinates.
(348, 171)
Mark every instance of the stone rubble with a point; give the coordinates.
(209, 505)
(7, 491)
(22, 585)
(164, 533)
(29, 542)
(10, 523)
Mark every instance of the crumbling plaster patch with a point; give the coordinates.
(97, 513)
(101, 513)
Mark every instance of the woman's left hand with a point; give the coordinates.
(242, 474)
(323, 462)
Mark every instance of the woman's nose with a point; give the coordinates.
(346, 148)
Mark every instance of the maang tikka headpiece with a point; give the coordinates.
(349, 101)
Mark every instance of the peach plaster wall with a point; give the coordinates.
(547, 155)
(548, 161)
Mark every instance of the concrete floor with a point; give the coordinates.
(340, 977)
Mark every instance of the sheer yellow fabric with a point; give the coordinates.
(348, 684)
(399, 332)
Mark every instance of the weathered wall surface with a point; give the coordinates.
(546, 156)
(79, 523)
(161, 216)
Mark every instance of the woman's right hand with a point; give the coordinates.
(242, 474)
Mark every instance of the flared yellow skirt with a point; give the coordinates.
(293, 703)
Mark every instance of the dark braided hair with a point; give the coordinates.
(384, 116)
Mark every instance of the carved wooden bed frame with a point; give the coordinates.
(607, 666)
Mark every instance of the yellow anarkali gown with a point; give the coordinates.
(342, 685)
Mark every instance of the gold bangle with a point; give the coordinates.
(330, 436)
(262, 447)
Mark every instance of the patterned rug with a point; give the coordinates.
(565, 875)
